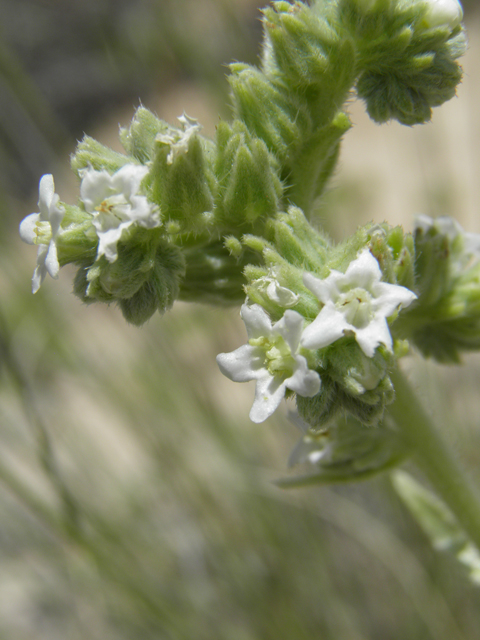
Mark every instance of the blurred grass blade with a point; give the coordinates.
(437, 522)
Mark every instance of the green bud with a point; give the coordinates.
(181, 180)
(234, 246)
(139, 139)
(315, 162)
(314, 60)
(90, 153)
(213, 275)
(395, 252)
(77, 240)
(274, 116)
(248, 185)
(292, 248)
(351, 382)
(159, 291)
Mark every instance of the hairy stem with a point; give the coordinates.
(436, 459)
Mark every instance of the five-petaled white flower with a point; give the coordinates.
(115, 205)
(42, 229)
(441, 13)
(271, 358)
(355, 301)
(178, 140)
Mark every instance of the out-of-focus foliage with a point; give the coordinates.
(64, 65)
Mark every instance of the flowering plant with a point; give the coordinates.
(179, 216)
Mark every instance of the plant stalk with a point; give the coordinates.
(435, 458)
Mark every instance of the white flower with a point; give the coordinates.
(275, 291)
(178, 140)
(115, 205)
(42, 229)
(271, 358)
(441, 13)
(355, 301)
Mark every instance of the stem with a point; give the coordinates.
(435, 458)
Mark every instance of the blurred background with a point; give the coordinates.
(136, 498)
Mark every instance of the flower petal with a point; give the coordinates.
(290, 328)
(327, 327)
(256, 321)
(281, 295)
(46, 192)
(95, 187)
(244, 364)
(51, 260)
(27, 228)
(127, 180)
(269, 392)
(304, 381)
(40, 270)
(375, 333)
(389, 297)
(108, 240)
(364, 271)
(324, 290)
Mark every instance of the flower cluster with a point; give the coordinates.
(273, 358)
(285, 355)
(115, 205)
(111, 203)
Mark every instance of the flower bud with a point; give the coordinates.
(249, 188)
(91, 154)
(313, 60)
(213, 275)
(346, 450)
(268, 112)
(440, 13)
(139, 139)
(181, 178)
